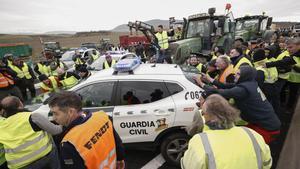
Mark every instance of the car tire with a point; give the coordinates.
(173, 147)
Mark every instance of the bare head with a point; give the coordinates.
(222, 62)
(293, 45)
(217, 109)
(66, 106)
(10, 106)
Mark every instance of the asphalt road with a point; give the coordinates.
(145, 159)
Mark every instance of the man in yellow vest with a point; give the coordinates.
(25, 77)
(7, 83)
(109, 61)
(266, 78)
(100, 147)
(193, 61)
(25, 137)
(42, 68)
(3, 164)
(162, 38)
(67, 79)
(49, 84)
(238, 59)
(293, 47)
(218, 147)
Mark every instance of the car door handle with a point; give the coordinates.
(159, 112)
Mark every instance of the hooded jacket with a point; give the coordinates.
(251, 101)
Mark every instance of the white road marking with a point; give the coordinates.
(155, 162)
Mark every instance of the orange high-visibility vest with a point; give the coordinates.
(97, 146)
(5, 80)
(229, 70)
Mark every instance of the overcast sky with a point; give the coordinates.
(73, 15)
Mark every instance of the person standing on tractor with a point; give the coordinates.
(162, 38)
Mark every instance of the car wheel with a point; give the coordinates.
(173, 147)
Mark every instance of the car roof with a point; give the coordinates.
(142, 70)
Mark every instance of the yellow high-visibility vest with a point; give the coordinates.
(43, 69)
(271, 74)
(23, 72)
(69, 82)
(22, 145)
(54, 85)
(106, 65)
(280, 57)
(241, 61)
(219, 149)
(294, 76)
(162, 40)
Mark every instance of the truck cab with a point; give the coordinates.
(201, 33)
(253, 27)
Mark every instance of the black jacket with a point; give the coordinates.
(251, 101)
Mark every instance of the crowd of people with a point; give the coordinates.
(247, 92)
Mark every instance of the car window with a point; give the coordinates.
(97, 95)
(174, 88)
(140, 92)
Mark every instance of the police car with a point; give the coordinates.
(149, 103)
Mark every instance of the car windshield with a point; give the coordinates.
(198, 28)
(297, 26)
(251, 24)
(67, 56)
(190, 72)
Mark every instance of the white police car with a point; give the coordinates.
(149, 103)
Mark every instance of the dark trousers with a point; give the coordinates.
(50, 161)
(25, 84)
(277, 101)
(272, 95)
(11, 91)
(293, 95)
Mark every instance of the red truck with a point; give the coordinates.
(128, 40)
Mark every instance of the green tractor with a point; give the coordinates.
(201, 33)
(251, 28)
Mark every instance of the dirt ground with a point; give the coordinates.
(67, 41)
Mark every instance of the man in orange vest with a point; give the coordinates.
(89, 139)
(7, 84)
(226, 70)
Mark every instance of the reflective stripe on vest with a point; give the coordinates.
(280, 57)
(162, 40)
(23, 147)
(78, 61)
(271, 74)
(99, 138)
(43, 69)
(208, 151)
(256, 147)
(53, 83)
(229, 70)
(2, 155)
(22, 73)
(199, 67)
(69, 82)
(294, 76)
(106, 65)
(242, 61)
(210, 154)
(5, 80)
(95, 56)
